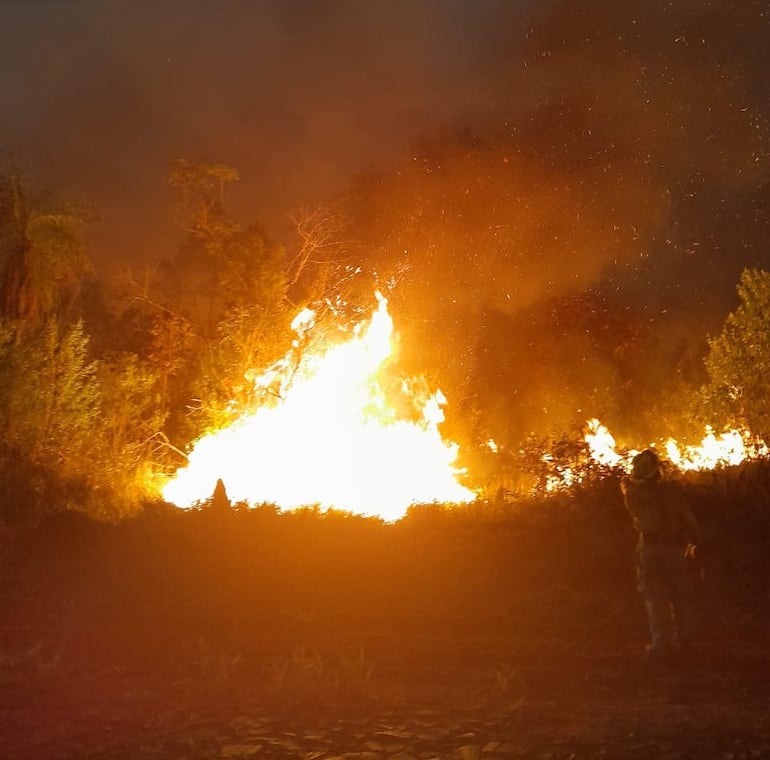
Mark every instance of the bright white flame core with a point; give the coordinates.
(332, 440)
(726, 449)
(729, 448)
(601, 444)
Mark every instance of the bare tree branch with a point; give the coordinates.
(320, 230)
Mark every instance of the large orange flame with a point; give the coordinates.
(331, 438)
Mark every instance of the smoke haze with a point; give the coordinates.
(98, 96)
(564, 194)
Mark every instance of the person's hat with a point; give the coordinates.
(645, 465)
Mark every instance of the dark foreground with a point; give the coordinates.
(265, 636)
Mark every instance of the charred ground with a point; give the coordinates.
(494, 630)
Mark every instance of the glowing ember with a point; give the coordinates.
(331, 439)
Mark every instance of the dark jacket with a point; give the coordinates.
(660, 511)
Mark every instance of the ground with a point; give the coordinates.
(269, 637)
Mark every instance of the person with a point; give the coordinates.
(220, 502)
(667, 535)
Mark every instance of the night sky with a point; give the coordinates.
(529, 155)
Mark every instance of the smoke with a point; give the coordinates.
(569, 256)
(98, 96)
(561, 194)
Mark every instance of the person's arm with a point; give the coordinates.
(690, 523)
(624, 488)
(690, 528)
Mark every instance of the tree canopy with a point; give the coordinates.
(42, 256)
(100, 386)
(738, 362)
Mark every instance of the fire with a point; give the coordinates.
(729, 448)
(331, 437)
(726, 449)
(601, 445)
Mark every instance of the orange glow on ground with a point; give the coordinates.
(332, 439)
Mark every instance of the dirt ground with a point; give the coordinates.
(316, 638)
